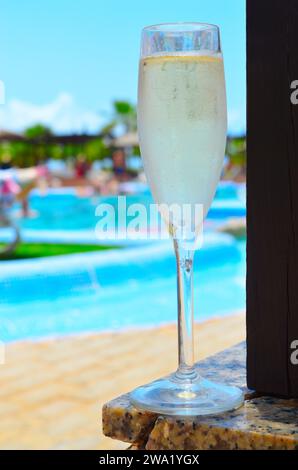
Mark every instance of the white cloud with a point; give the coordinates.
(61, 115)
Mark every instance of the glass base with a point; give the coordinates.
(198, 397)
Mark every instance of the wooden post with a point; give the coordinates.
(272, 196)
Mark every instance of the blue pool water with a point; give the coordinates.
(129, 287)
(116, 289)
(66, 211)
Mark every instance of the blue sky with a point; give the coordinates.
(63, 62)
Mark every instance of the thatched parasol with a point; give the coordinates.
(127, 140)
(10, 136)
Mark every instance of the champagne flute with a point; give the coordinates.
(182, 129)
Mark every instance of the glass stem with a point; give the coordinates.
(184, 259)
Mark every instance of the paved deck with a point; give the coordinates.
(51, 392)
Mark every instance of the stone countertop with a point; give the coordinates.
(262, 423)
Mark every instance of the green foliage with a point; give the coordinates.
(136, 151)
(37, 149)
(125, 114)
(38, 132)
(96, 150)
(123, 107)
(56, 152)
(36, 250)
(236, 150)
(26, 154)
(20, 153)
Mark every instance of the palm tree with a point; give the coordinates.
(124, 114)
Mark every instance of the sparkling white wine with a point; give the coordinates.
(182, 126)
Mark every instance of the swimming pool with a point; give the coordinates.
(60, 210)
(116, 289)
(132, 287)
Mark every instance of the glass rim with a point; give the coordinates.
(190, 26)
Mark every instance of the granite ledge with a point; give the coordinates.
(124, 422)
(262, 423)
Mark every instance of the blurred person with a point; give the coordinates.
(81, 166)
(119, 165)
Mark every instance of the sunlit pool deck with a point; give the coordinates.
(52, 390)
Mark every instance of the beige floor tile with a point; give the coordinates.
(51, 392)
